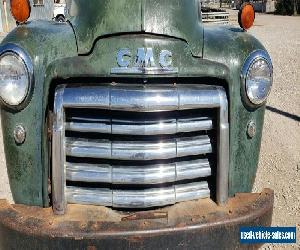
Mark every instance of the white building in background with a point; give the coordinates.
(40, 9)
(259, 5)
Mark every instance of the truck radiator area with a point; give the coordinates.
(139, 146)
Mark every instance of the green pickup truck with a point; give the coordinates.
(132, 125)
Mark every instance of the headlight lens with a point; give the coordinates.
(14, 79)
(258, 77)
(16, 76)
(259, 81)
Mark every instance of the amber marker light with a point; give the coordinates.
(20, 10)
(246, 16)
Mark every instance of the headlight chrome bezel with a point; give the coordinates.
(18, 52)
(251, 60)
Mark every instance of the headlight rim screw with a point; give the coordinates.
(19, 134)
(251, 129)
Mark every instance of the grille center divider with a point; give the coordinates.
(146, 146)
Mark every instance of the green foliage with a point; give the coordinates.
(286, 7)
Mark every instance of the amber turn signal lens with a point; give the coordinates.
(20, 10)
(246, 16)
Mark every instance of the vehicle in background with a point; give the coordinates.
(60, 11)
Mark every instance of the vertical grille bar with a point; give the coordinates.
(58, 155)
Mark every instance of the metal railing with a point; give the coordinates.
(217, 17)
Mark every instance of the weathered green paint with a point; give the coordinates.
(231, 46)
(176, 18)
(53, 50)
(45, 42)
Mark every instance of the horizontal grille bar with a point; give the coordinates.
(148, 127)
(153, 174)
(130, 150)
(139, 98)
(154, 197)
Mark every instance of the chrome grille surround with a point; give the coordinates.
(138, 98)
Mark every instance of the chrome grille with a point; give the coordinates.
(134, 146)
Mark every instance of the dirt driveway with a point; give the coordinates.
(279, 166)
(280, 156)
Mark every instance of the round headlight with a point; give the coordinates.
(257, 77)
(15, 76)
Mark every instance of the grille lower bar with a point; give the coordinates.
(150, 137)
(154, 197)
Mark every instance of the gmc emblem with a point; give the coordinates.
(144, 62)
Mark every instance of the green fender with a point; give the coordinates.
(231, 46)
(45, 42)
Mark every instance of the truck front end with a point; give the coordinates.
(132, 125)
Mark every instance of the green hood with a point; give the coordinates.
(93, 19)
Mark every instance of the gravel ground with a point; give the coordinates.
(279, 167)
(4, 184)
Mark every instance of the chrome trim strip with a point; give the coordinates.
(100, 127)
(89, 196)
(144, 71)
(154, 197)
(152, 174)
(223, 150)
(58, 155)
(131, 150)
(143, 127)
(139, 99)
